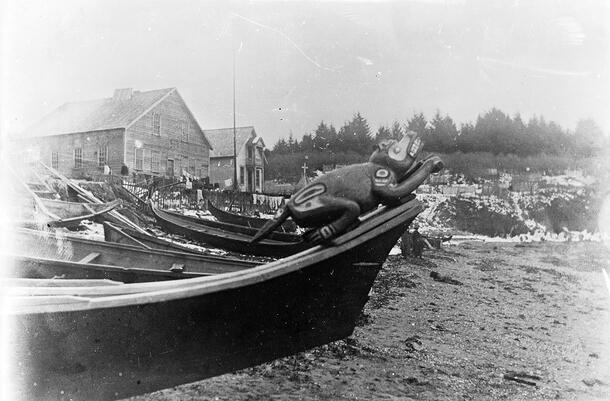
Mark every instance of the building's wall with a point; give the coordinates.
(89, 142)
(193, 156)
(221, 169)
(255, 164)
(259, 164)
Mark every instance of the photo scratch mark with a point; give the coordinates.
(307, 57)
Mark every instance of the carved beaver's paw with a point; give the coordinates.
(319, 235)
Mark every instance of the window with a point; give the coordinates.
(192, 167)
(241, 174)
(55, 160)
(249, 152)
(184, 130)
(156, 124)
(147, 160)
(185, 165)
(102, 156)
(139, 158)
(78, 157)
(259, 174)
(155, 161)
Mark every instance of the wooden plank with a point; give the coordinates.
(57, 282)
(89, 258)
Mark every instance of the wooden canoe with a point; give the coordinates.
(125, 235)
(181, 225)
(49, 245)
(288, 226)
(115, 346)
(238, 229)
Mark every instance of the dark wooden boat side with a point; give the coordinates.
(73, 248)
(234, 242)
(288, 226)
(115, 347)
(238, 229)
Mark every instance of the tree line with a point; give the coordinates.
(494, 132)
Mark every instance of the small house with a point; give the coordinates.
(250, 149)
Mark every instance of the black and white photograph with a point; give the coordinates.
(304, 200)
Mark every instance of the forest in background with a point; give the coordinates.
(495, 140)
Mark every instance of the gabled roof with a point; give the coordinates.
(222, 140)
(97, 115)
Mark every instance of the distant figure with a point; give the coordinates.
(417, 242)
(124, 170)
(107, 170)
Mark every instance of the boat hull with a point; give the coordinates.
(288, 226)
(229, 241)
(116, 352)
(239, 229)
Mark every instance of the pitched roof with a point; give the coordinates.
(96, 115)
(222, 140)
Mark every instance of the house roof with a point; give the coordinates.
(95, 115)
(222, 140)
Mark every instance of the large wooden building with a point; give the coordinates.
(151, 133)
(250, 158)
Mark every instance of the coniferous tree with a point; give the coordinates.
(325, 137)
(382, 134)
(355, 135)
(588, 138)
(464, 141)
(418, 123)
(281, 147)
(306, 144)
(442, 135)
(396, 131)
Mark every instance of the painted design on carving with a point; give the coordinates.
(415, 147)
(382, 177)
(309, 193)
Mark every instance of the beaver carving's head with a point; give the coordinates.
(399, 155)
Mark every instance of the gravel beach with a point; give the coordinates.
(476, 320)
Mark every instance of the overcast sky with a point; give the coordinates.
(300, 63)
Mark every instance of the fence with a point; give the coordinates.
(178, 196)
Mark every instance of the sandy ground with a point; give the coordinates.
(512, 322)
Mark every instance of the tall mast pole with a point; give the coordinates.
(234, 130)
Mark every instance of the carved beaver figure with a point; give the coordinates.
(332, 203)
